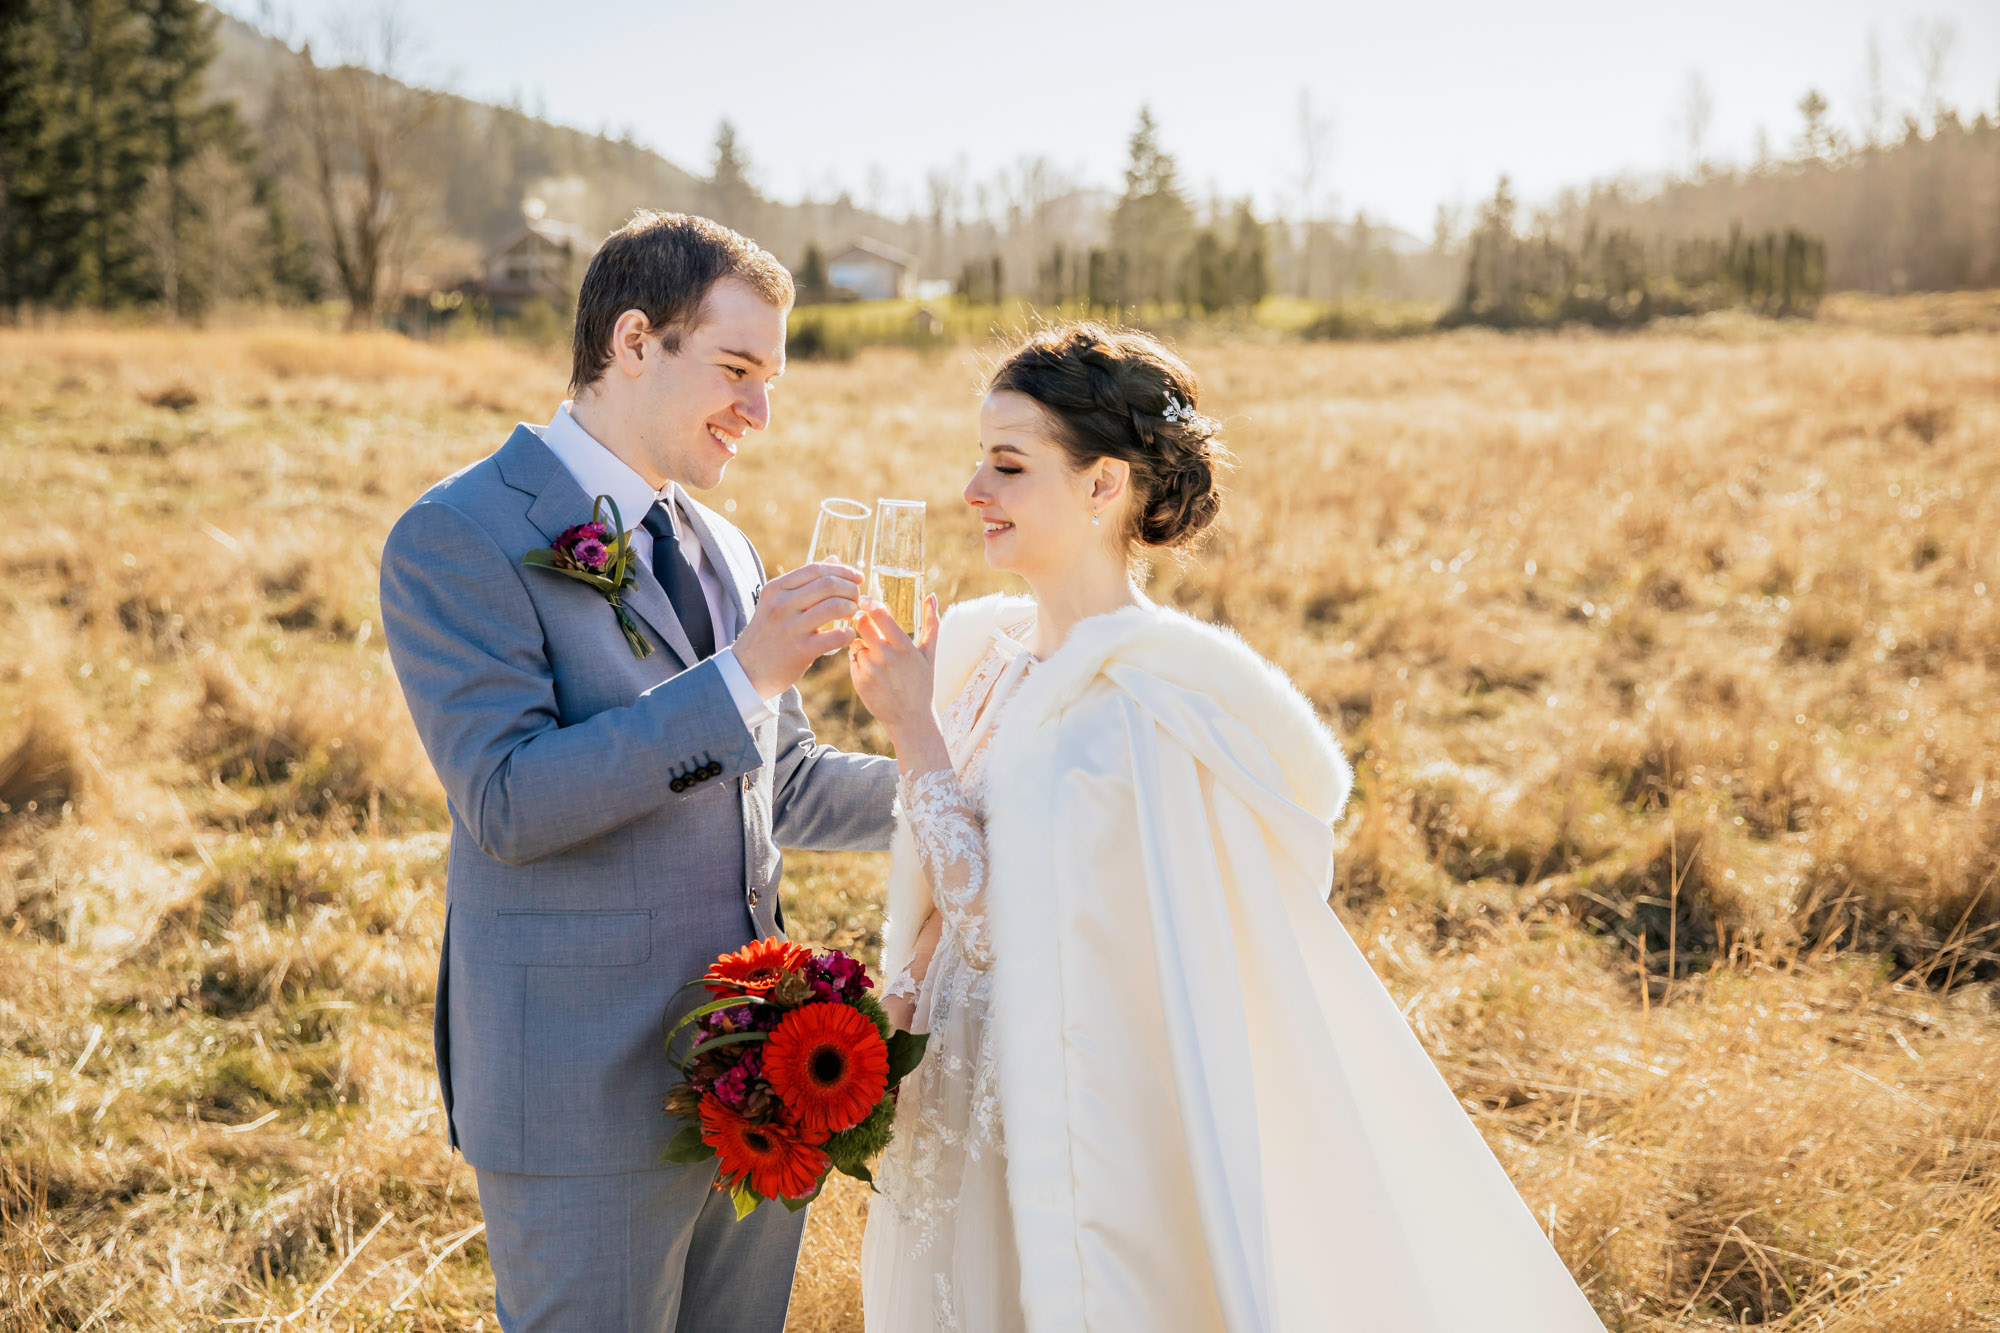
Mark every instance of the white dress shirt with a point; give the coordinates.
(600, 472)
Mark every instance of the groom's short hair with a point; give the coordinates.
(663, 265)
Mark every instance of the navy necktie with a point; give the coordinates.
(682, 584)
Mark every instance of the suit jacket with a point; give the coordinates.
(614, 824)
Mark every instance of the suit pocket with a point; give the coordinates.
(573, 939)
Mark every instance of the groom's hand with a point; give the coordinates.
(785, 637)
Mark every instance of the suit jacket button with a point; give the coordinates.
(714, 769)
(678, 784)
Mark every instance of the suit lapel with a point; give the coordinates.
(527, 465)
(648, 601)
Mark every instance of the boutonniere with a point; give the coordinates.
(601, 555)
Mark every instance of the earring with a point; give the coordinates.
(1094, 520)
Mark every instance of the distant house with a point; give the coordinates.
(542, 260)
(874, 271)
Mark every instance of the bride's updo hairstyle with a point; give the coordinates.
(1118, 393)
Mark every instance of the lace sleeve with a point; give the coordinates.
(905, 986)
(951, 843)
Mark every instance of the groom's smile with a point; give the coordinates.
(729, 442)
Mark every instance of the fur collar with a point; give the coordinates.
(1173, 648)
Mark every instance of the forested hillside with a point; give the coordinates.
(1916, 212)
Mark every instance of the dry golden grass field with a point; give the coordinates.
(1669, 663)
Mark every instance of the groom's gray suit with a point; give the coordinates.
(614, 826)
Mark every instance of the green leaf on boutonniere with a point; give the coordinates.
(600, 555)
(746, 1201)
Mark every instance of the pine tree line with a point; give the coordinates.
(1158, 253)
(1613, 277)
(1916, 210)
(120, 182)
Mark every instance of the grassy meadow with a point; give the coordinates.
(1668, 663)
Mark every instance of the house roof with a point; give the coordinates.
(876, 250)
(548, 229)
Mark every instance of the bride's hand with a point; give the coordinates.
(892, 675)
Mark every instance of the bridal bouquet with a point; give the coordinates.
(790, 1075)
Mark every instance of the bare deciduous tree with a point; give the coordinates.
(1875, 94)
(1697, 113)
(361, 123)
(1315, 156)
(1818, 139)
(1931, 43)
(203, 250)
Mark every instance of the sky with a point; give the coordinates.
(1424, 102)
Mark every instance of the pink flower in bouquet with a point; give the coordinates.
(732, 1087)
(590, 553)
(838, 977)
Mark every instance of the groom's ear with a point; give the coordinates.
(632, 344)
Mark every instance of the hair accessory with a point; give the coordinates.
(1179, 411)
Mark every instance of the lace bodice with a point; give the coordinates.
(938, 1255)
(946, 809)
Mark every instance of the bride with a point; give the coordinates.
(1163, 1088)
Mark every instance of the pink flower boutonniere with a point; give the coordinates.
(601, 555)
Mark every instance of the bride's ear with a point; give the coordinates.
(1113, 477)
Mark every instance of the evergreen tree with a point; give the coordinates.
(37, 115)
(1249, 259)
(1152, 226)
(110, 159)
(1104, 283)
(728, 196)
(201, 194)
(812, 275)
(1209, 285)
(76, 143)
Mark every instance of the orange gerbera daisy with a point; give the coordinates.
(773, 1162)
(829, 1066)
(757, 966)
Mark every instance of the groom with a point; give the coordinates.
(615, 819)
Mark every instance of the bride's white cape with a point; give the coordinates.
(1215, 1117)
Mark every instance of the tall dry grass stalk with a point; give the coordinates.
(1666, 661)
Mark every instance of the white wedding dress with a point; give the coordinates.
(939, 1253)
(1164, 1090)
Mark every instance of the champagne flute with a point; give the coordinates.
(840, 535)
(896, 572)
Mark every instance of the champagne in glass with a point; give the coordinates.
(840, 536)
(896, 577)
